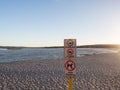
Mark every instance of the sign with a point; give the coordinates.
(70, 65)
(70, 52)
(69, 48)
(69, 43)
(70, 56)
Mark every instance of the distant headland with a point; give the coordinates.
(82, 46)
(11, 47)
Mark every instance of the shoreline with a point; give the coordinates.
(43, 54)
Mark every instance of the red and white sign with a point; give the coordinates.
(70, 67)
(70, 52)
(70, 56)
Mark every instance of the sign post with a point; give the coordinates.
(70, 60)
(70, 83)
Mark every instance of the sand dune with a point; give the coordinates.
(95, 72)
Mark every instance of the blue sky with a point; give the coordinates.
(49, 22)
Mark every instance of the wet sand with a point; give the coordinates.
(95, 72)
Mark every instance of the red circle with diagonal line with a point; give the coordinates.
(70, 51)
(70, 65)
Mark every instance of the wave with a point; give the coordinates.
(3, 49)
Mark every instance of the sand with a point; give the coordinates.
(94, 72)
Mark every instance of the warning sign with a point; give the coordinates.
(70, 67)
(69, 43)
(70, 52)
(70, 56)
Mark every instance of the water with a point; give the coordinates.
(44, 53)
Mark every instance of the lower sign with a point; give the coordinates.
(70, 67)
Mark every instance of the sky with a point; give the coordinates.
(48, 22)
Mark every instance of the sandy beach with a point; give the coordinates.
(94, 72)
